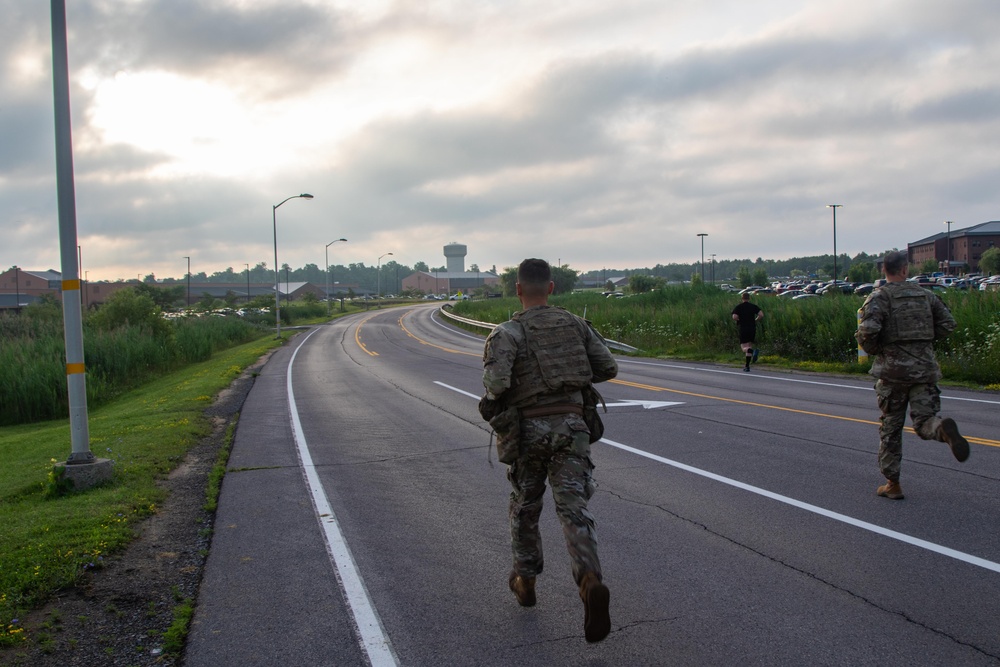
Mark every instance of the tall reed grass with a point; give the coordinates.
(696, 322)
(32, 359)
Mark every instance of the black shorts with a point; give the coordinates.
(748, 335)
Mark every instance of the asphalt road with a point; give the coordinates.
(362, 522)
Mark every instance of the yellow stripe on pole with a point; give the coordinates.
(74, 369)
(71, 285)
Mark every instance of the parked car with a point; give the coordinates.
(791, 293)
(805, 295)
(864, 289)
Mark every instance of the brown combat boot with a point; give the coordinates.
(596, 599)
(524, 589)
(891, 490)
(948, 432)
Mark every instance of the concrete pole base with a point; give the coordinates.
(86, 475)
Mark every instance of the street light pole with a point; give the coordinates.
(274, 223)
(703, 235)
(378, 278)
(188, 283)
(713, 268)
(327, 256)
(834, 207)
(248, 284)
(948, 222)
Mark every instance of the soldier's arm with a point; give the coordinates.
(498, 362)
(602, 363)
(944, 321)
(870, 325)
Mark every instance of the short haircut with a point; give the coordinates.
(894, 262)
(534, 276)
(745, 296)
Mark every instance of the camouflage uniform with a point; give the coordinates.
(899, 323)
(525, 374)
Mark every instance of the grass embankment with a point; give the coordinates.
(809, 334)
(48, 542)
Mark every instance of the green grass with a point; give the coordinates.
(47, 543)
(809, 334)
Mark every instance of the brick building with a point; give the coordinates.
(967, 246)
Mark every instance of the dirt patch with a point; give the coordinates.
(117, 615)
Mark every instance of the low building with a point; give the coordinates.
(449, 282)
(967, 247)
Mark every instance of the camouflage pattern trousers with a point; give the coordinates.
(924, 401)
(558, 450)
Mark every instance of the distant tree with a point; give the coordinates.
(638, 284)
(127, 307)
(564, 279)
(309, 297)
(760, 277)
(164, 297)
(420, 266)
(989, 262)
(929, 266)
(696, 280)
(743, 277)
(609, 286)
(862, 272)
(508, 280)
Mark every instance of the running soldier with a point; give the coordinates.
(898, 325)
(538, 365)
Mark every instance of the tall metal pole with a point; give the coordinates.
(834, 207)
(703, 235)
(378, 278)
(713, 268)
(277, 297)
(76, 380)
(248, 283)
(327, 250)
(17, 289)
(188, 283)
(948, 222)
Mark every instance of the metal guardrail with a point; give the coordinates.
(445, 310)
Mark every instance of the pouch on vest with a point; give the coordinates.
(591, 416)
(507, 425)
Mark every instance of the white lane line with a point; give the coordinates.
(915, 541)
(785, 379)
(374, 640)
(836, 516)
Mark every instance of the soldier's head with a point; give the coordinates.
(895, 264)
(534, 280)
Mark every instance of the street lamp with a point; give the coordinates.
(327, 255)
(248, 284)
(189, 283)
(274, 223)
(703, 235)
(834, 207)
(713, 268)
(948, 222)
(378, 278)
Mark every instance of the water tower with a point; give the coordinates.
(455, 255)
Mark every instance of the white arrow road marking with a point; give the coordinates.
(648, 405)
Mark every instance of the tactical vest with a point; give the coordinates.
(910, 316)
(557, 360)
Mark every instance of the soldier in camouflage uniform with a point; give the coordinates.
(899, 323)
(539, 361)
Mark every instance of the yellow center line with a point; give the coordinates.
(979, 441)
(357, 336)
(424, 342)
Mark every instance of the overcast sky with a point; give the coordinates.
(595, 133)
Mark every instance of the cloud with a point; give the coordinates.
(596, 133)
